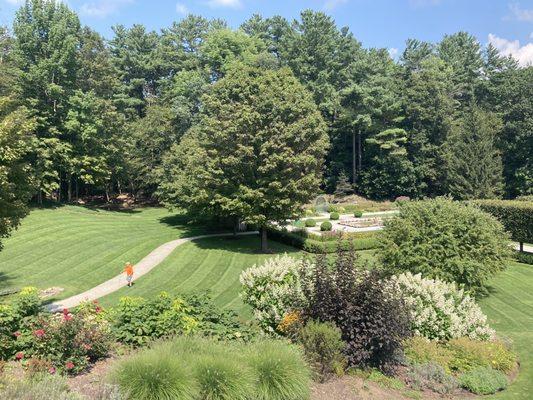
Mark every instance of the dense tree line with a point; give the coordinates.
(96, 116)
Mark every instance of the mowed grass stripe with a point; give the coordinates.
(77, 248)
(213, 265)
(510, 311)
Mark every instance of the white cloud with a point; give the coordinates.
(181, 9)
(102, 8)
(521, 14)
(523, 54)
(225, 3)
(332, 4)
(393, 52)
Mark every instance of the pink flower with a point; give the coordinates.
(87, 346)
(17, 334)
(69, 365)
(97, 309)
(66, 314)
(52, 370)
(39, 333)
(19, 355)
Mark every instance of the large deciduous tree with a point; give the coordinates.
(256, 153)
(16, 183)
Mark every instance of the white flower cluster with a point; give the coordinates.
(441, 311)
(272, 289)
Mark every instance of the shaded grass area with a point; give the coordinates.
(213, 265)
(510, 310)
(76, 248)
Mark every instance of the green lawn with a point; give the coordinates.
(510, 311)
(77, 248)
(212, 264)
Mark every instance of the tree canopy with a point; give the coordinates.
(108, 116)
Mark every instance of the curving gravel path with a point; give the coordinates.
(141, 268)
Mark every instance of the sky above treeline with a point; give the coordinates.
(507, 24)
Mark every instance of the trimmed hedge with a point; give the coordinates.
(515, 215)
(312, 244)
(524, 258)
(334, 216)
(326, 226)
(310, 223)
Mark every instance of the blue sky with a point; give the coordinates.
(377, 23)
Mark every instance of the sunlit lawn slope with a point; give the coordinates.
(77, 248)
(510, 311)
(212, 264)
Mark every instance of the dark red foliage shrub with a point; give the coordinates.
(372, 318)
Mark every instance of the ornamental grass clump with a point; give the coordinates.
(280, 371)
(155, 374)
(439, 310)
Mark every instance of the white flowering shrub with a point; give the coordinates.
(439, 310)
(272, 289)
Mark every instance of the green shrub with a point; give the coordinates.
(433, 377)
(469, 354)
(420, 350)
(461, 355)
(326, 226)
(68, 342)
(136, 321)
(155, 374)
(281, 373)
(483, 380)
(310, 223)
(443, 239)
(334, 216)
(320, 244)
(323, 347)
(524, 258)
(515, 215)
(357, 213)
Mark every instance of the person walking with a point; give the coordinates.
(128, 269)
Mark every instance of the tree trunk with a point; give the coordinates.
(69, 188)
(235, 226)
(264, 241)
(40, 197)
(359, 152)
(77, 189)
(521, 246)
(107, 193)
(354, 166)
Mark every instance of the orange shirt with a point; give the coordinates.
(129, 270)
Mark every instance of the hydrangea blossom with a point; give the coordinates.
(272, 289)
(440, 310)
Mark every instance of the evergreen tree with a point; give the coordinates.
(473, 163)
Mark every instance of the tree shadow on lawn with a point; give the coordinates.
(244, 244)
(5, 287)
